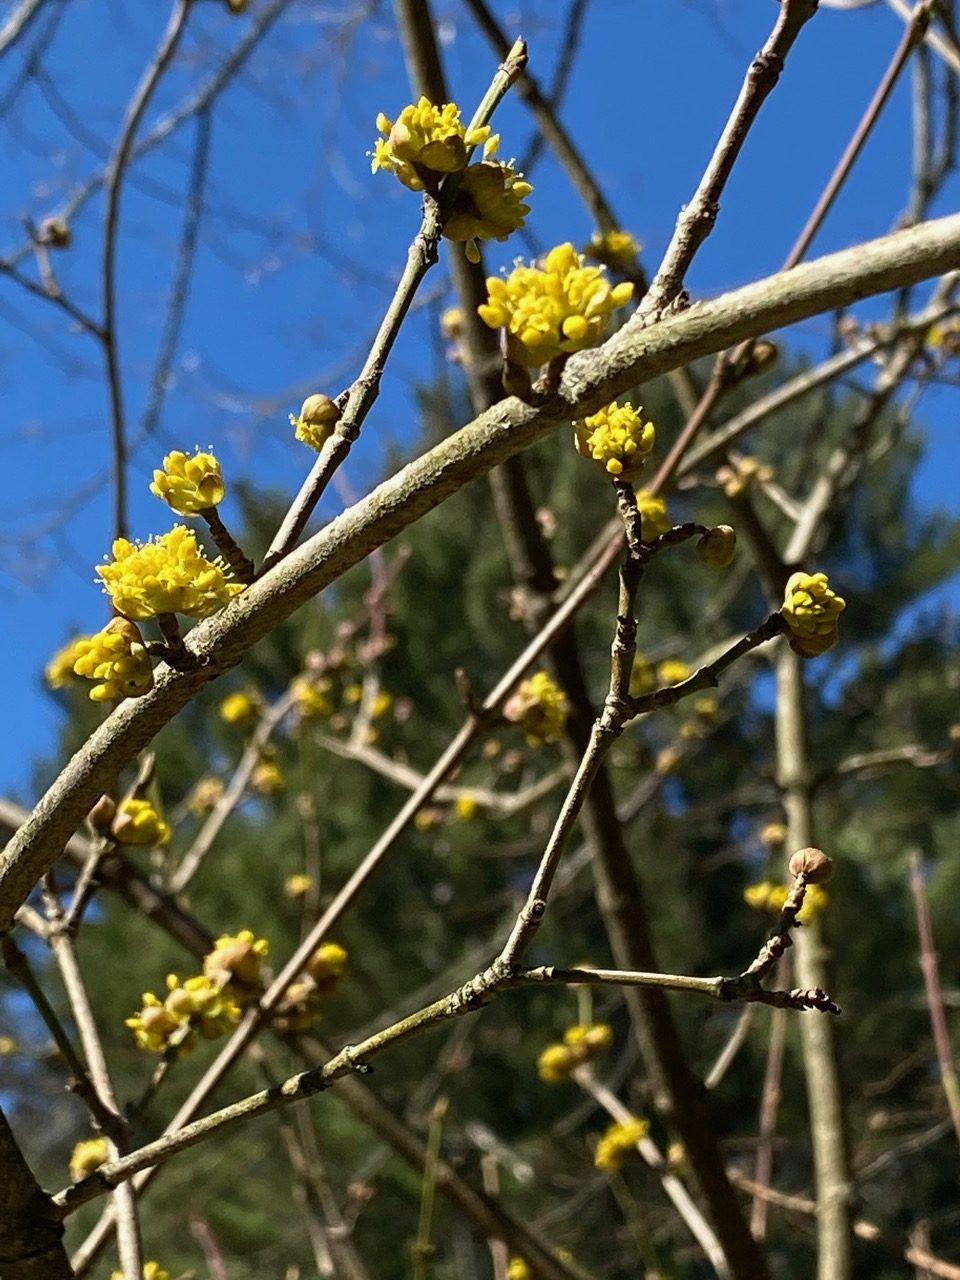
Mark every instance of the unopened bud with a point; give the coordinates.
(718, 546)
(55, 233)
(318, 416)
(812, 864)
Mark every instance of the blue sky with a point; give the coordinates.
(300, 243)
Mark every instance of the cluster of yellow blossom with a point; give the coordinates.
(945, 335)
(774, 834)
(205, 795)
(59, 670)
(672, 671)
(267, 778)
(465, 806)
(811, 610)
(88, 1156)
(551, 309)
(316, 420)
(653, 515)
(379, 704)
(615, 249)
(717, 546)
(118, 659)
(303, 1002)
(297, 885)
(311, 697)
(240, 707)
(737, 476)
(153, 1270)
(618, 1139)
(581, 1044)
(539, 708)
(189, 485)
(169, 574)
(643, 675)
(424, 143)
(138, 822)
(488, 205)
(766, 896)
(210, 1003)
(616, 438)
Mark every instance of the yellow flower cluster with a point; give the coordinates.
(811, 611)
(153, 1270)
(297, 885)
(138, 822)
(210, 1003)
(653, 515)
(302, 1006)
(738, 476)
(539, 708)
(488, 205)
(618, 1139)
(643, 675)
(581, 1044)
(672, 671)
(551, 309)
(205, 795)
(189, 485)
(240, 707)
(310, 697)
(766, 896)
(616, 438)
(87, 1156)
(59, 670)
(615, 249)
(316, 420)
(465, 806)
(267, 778)
(424, 143)
(117, 657)
(169, 574)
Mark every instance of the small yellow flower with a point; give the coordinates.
(672, 671)
(205, 795)
(653, 514)
(717, 546)
(517, 1269)
(8, 1046)
(297, 885)
(592, 1038)
(424, 143)
(426, 818)
(551, 309)
(267, 778)
(811, 611)
(643, 676)
(667, 760)
(766, 896)
(616, 438)
(117, 657)
(555, 1064)
(206, 1004)
(137, 822)
(236, 956)
(240, 707)
(615, 249)
(466, 806)
(488, 205)
(451, 323)
(59, 670)
(618, 1140)
(327, 966)
(153, 1270)
(539, 707)
(706, 706)
(189, 485)
(315, 423)
(380, 704)
(154, 1025)
(310, 697)
(169, 574)
(87, 1156)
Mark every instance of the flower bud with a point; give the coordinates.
(812, 864)
(54, 232)
(318, 416)
(101, 816)
(717, 546)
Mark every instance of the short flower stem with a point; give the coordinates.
(173, 650)
(228, 547)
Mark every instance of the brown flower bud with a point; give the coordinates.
(812, 864)
(54, 232)
(101, 816)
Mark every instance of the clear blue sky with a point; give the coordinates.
(300, 243)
